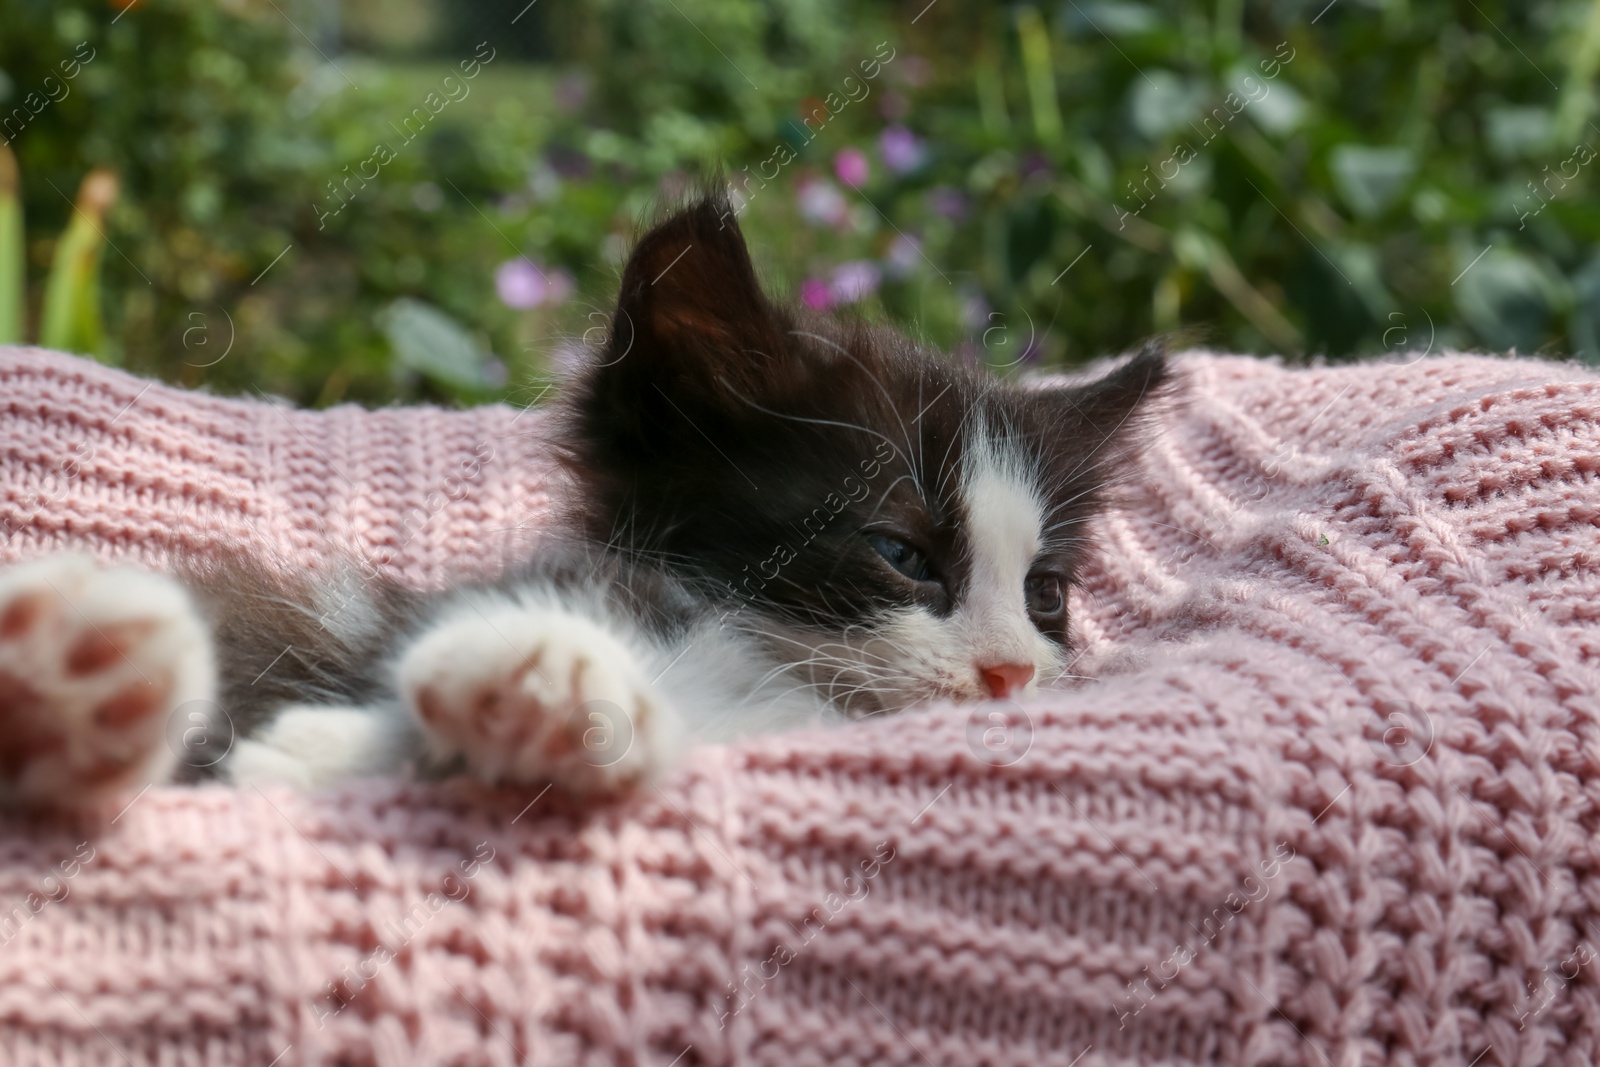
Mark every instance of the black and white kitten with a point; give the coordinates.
(773, 518)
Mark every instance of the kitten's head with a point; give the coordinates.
(901, 526)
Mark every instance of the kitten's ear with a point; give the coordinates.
(691, 318)
(1116, 404)
(1107, 416)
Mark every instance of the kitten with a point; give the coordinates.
(775, 518)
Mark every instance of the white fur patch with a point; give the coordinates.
(919, 655)
(312, 747)
(729, 686)
(1005, 522)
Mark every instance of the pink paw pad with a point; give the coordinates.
(529, 695)
(92, 662)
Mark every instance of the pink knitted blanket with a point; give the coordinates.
(1329, 797)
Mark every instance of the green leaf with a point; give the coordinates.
(430, 342)
(1517, 132)
(1586, 312)
(1505, 297)
(1114, 19)
(1370, 179)
(1162, 102)
(71, 320)
(1034, 40)
(1273, 103)
(11, 257)
(1362, 267)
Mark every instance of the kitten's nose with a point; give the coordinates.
(1003, 679)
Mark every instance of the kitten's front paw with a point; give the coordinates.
(92, 663)
(531, 695)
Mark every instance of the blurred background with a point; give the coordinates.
(372, 200)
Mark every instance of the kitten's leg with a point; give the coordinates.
(313, 745)
(303, 678)
(94, 661)
(527, 689)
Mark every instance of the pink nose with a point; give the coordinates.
(1003, 679)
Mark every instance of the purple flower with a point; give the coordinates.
(1034, 163)
(975, 310)
(900, 149)
(521, 284)
(821, 202)
(850, 164)
(568, 162)
(894, 105)
(947, 202)
(855, 281)
(572, 91)
(914, 70)
(904, 253)
(816, 294)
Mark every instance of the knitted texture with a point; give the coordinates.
(1327, 798)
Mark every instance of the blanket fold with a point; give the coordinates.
(1325, 796)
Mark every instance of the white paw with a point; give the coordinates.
(93, 661)
(312, 747)
(538, 695)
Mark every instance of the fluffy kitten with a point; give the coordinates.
(775, 518)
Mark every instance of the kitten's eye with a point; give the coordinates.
(902, 557)
(1044, 594)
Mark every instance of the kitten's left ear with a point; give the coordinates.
(1104, 418)
(1126, 395)
(691, 318)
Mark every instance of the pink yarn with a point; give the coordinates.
(1331, 797)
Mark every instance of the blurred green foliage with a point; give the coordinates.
(318, 201)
